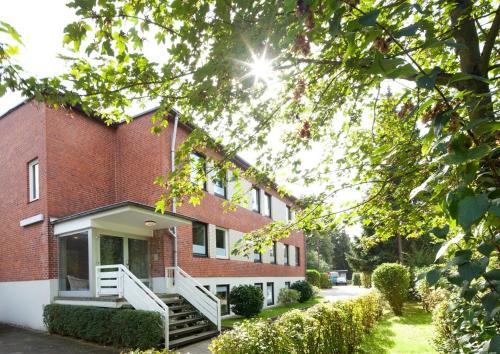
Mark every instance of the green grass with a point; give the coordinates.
(408, 334)
(274, 311)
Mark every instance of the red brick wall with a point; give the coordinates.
(24, 251)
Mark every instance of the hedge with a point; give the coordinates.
(325, 281)
(356, 279)
(313, 277)
(393, 281)
(335, 327)
(120, 327)
(304, 288)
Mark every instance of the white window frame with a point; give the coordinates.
(268, 205)
(226, 243)
(34, 180)
(255, 202)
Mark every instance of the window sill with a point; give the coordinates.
(33, 200)
(200, 255)
(222, 257)
(220, 196)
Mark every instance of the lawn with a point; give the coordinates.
(275, 311)
(410, 333)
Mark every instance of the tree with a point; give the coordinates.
(332, 58)
(341, 247)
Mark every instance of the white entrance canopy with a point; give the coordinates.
(128, 217)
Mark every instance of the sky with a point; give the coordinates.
(41, 25)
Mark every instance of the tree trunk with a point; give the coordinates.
(400, 247)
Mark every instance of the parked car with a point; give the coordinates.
(338, 277)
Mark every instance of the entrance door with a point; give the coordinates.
(138, 259)
(112, 251)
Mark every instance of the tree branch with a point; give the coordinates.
(490, 42)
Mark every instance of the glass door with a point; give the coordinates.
(111, 250)
(74, 265)
(138, 259)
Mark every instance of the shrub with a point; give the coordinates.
(120, 327)
(393, 281)
(366, 280)
(246, 300)
(356, 279)
(430, 297)
(336, 327)
(313, 277)
(324, 281)
(153, 351)
(304, 288)
(288, 296)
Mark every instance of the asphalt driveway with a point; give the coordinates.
(14, 340)
(342, 292)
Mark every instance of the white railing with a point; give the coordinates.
(117, 280)
(195, 293)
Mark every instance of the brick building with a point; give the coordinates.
(76, 195)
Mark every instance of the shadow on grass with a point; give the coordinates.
(379, 340)
(414, 315)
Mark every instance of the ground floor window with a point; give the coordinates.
(270, 294)
(260, 286)
(74, 262)
(221, 243)
(222, 293)
(200, 244)
(287, 284)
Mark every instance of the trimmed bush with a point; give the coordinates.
(288, 296)
(120, 327)
(356, 279)
(393, 281)
(366, 280)
(324, 281)
(313, 277)
(337, 327)
(246, 300)
(430, 297)
(304, 288)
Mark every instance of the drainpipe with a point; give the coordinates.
(172, 161)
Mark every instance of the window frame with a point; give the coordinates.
(33, 180)
(204, 158)
(286, 260)
(257, 190)
(259, 259)
(205, 226)
(297, 256)
(226, 242)
(261, 286)
(224, 186)
(274, 250)
(289, 213)
(227, 296)
(267, 293)
(268, 200)
(288, 284)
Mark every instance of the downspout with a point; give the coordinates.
(172, 162)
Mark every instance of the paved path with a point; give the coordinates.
(15, 340)
(342, 292)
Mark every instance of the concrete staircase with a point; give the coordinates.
(187, 325)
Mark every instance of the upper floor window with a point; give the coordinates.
(34, 180)
(220, 188)
(267, 205)
(221, 243)
(257, 257)
(286, 261)
(198, 169)
(297, 256)
(200, 244)
(256, 199)
(288, 213)
(272, 253)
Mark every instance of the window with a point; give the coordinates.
(257, 257)
(222, 292)
(34, 180)
(267, 205)
(288, 213)
(287, 284)
(260, 286)
(270, 294)
(297, 256)
(198, 170)
(272, 253)
(74, 262)
(221, 243)
(256, 199)
(220, 185)
(285, 256)
(200, 244)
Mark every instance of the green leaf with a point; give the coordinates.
(493, 274)
(289, 5)
(471, 209)
(461, 257)
(447, 244)
(428, 81)
(459, 157)
(494, 346)
(485, 249)
(440, 121)
(470, 270)
(489, 301)
(495, 207)
(432, 277)
(370, 18)
(441, 232)
(410, 30)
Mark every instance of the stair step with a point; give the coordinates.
(180, 307)
(185, 321)
(179, 342)
(172, 301)
(186, 330)
(182, 314)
